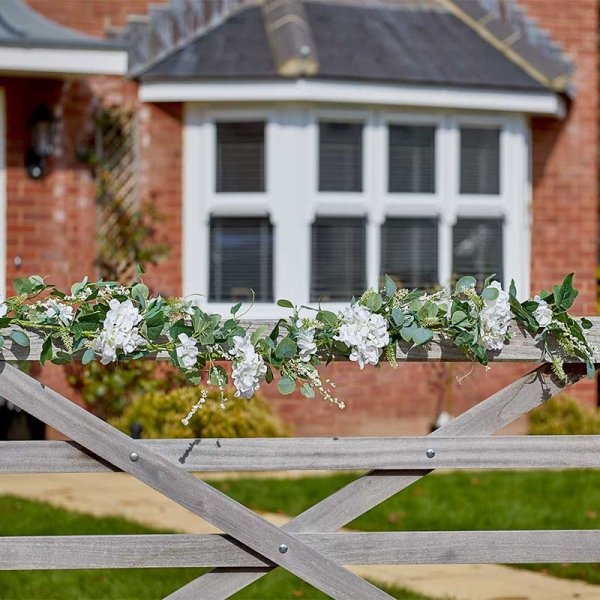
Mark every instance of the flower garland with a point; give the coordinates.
(107, 321)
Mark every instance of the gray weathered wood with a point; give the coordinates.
(419, 547)
(368, 491)
(191, 493)
(281, 454)
(521, 348)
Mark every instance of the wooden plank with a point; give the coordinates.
(419, 547)
(195, 495)
(522, 348)
(281, 454)
(368, 491)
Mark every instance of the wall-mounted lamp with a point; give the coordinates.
(43, 129)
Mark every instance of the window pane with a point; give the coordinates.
(411, 159)
(240, 157)
(241, 259)
(409, 252)
(479, 161)
(338, 258)
(477, 249)
(340, 157)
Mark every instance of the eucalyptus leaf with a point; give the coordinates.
(465, 283)
(390, 286)
(422, 335)
(20, 338)
(286, 348)
(88, 356)
(307, 390)
(286, 386)
(490, 293)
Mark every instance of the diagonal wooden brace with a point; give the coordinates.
(249, 529)
(356, 498)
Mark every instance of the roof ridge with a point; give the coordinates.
(290, 38)
(508, 28)
(168, 27)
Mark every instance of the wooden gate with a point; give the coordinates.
(308, 546)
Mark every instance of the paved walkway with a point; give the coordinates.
(119, 494)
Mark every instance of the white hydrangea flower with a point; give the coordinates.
(306, 341)
(119, 331)
(3, 307)
(248, 368)
(543, 313)
(58, 311)
(495, 319)
(187, 351)
(364, 332)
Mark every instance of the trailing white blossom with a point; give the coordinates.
(119, 331)
(306, 341)
(495, 318)
(187, 350)
(58, 311)
(248, 367)
(543, 313)
(364, 332)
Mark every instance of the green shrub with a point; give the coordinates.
(160, 416)
(563, 415)
(108, 389)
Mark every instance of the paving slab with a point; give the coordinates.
(118, 494)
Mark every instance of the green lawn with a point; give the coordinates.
(25, 517)
(455, 501)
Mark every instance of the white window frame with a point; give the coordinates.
(292, 200)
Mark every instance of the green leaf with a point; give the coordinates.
(88, 356)
(286, 348)
(235, 308)
(327, 317)
(286, 386)
(407, 333)
(258, 334)
(46, 353)
(22, 285)
(490, 293)
(465, 282)
(586, 323)
(77, 287)
(374, 302)
(284, 303)
(20, 338)
(1, 341)
(140, 293)
(139, 269)
(269, 375)
(422, 335)
(512, 290)
(458, 317)
(390, 286)
(590, 369)
(307, 390)
(397, 316)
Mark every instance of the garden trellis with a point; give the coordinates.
(310, 545)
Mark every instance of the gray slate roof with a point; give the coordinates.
(425, 42)
(23, 27)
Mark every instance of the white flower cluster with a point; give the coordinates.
(187, 351)
(495, 318)
(364, 332)
(56, 311)
(248, 368)
(543, 313)
(119, 331)
(306, 341)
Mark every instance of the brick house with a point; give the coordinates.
(302, 148)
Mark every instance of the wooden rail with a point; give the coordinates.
(308, 545)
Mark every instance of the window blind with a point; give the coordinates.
(477, 248)
(241, 157)
(338, 258)
(409, 251)
(411, 159)
(241, 259)
(479, 161)
(340, 157)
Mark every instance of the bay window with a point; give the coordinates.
(316, 205)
